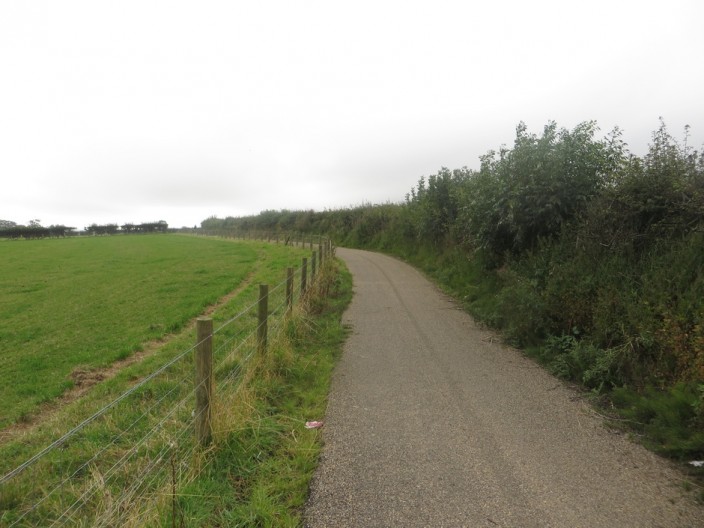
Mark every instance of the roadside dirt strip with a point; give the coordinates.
(431, 422)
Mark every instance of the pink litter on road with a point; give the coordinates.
(314, 425)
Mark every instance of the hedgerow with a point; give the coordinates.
(564, 239)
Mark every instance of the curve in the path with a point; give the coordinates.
(432, 423)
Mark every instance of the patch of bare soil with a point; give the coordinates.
(84, 378)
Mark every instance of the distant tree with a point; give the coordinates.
(25, 232)
(105, 229)
(34, 230)
(95, 229)
(152, 227)
(60, 230)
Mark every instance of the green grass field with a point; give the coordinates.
(137, 463)
(86, 302)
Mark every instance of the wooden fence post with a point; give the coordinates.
(304, 272)
(204, 380)
(263, 315)
(320, 256)
(289, 289)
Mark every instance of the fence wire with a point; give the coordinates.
(115, 468)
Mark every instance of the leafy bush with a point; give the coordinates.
(569, 244)
(671, 420)
(523, 310)
(531, 191)
(580, 361)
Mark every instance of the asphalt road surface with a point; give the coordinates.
(432, 422)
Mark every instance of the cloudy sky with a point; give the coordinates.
(135, 111)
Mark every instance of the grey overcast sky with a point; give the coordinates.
(135, 111)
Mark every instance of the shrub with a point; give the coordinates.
(671, 419)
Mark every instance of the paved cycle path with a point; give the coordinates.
(432, 422)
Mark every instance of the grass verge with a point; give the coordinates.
(260, 468)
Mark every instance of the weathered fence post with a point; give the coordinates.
(320, 256)
(304, 273)
(263, 314)
(204, 380)
(289, 289)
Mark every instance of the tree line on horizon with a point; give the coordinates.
(112, 229)
(34, 229)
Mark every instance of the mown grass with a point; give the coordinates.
(121, 467)
(86, 302)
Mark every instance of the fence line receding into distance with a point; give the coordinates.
(119, 460)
